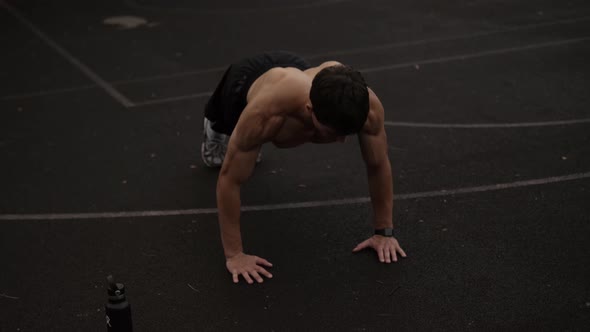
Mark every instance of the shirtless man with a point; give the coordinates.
(277, 97)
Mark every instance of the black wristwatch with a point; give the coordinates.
(388, 232)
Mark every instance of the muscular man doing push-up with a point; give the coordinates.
(277, 97)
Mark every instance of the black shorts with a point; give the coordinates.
(230, 97)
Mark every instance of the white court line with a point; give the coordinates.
(173, 99)
(69, 57)
(313, 56)
(9, 297)
(300, 205)
(445, 39)
(47, 92)
(487, 125)
(169, 76)
(132, 81)
(370, 48)
(408, 64)
(414, 124)
(476, 55)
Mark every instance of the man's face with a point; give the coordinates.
(325, 134)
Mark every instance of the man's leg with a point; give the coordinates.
(214, 146)
(216, 131)
(214, 143)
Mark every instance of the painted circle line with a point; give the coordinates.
(487, 125)
(299, 205)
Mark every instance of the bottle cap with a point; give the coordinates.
(115, 290)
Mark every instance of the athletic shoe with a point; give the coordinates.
(214, 145)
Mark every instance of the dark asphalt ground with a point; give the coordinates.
(488, 111)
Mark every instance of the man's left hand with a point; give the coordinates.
(387, 248)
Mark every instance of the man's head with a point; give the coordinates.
(340, 99)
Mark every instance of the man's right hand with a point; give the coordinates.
(248, 266)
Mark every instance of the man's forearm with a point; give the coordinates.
(228, 205)
(381, 191)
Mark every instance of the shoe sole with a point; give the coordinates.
(210, 165)
(258, 158)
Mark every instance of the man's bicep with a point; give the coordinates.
(238, 164)
(374, 148)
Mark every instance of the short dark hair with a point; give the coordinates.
(340, 99)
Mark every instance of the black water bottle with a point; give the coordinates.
(117, 309)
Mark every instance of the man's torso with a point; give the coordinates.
(289, 88)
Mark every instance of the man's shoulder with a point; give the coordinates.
(376, 116)
(284, 85)
(286, 76)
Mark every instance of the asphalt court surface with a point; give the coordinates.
(482, 256)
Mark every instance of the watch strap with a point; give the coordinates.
(388, 232)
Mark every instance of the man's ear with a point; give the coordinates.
(313, 118)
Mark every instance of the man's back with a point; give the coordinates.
(283, 93)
